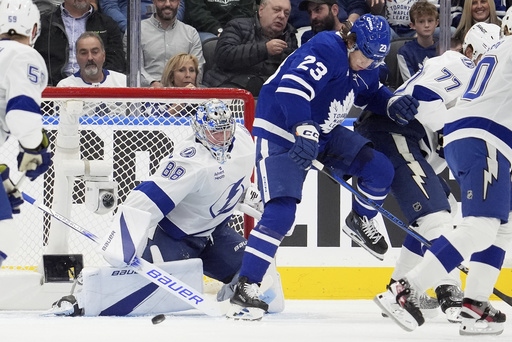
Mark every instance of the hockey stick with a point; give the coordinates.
(320, 167)
(146, 269)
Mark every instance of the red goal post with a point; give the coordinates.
(105, 135)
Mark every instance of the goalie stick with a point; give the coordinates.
(320, 167)
(146, 269)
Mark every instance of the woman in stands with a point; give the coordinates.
(476, 11)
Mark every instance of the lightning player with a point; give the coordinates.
(298, 118)
(413, 150)
(23, 77)
(186, 207)
(478, 151)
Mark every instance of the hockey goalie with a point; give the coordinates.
(179, 219)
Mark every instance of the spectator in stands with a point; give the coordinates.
(90, 55)
(61, 28)
(46, 6)
(251, 49)
(323, 16)
(476, 11)
(411, 56)
(210, 17)
(118, 10)
(162, 37)
(347, 10)
(181, 71)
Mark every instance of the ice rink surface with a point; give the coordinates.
(302, 320)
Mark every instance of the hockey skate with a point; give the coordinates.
(450, 301)
(363, 232)
(66, 306)
(246, 303)
(480, 318)
(401, 303)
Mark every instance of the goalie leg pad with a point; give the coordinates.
(110, 291)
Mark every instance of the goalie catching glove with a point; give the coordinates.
(250, 203)
(12, 192)
(402, 109)
(35, 161)
(305, 148)
(127, 237)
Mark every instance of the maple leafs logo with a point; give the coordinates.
(337, 112)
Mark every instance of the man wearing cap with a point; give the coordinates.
(331, 15)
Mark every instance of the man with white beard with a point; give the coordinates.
(90, 55)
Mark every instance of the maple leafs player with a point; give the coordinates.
(185, 208)
(23, 77)
(478, 151)
(298, 118)
(413, 150)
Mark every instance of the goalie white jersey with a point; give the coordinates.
(191, 193)
(23, 77)
(484, 109)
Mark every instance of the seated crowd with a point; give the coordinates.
(252, 37)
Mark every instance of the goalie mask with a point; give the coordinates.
(373, 37)
(481, 37)
(214, 126)
(20, 17)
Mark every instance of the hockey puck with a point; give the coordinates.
(158, 319)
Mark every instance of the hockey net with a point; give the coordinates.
(103, 135)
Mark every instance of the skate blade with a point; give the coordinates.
(360, 243)
(386, 301)
(238, 312)
(472, 327)
(452, 314)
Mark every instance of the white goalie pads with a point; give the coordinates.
(111, 291)
(127, 236)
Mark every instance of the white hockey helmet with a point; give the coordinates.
(506, 23)
(481, 37)
(214, 126)
(20, 17)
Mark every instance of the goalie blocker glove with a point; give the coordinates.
(305, 148)
(35, 161)
(14, 194)
(127, 237)
(402, 109)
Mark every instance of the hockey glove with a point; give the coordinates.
(402, 109)
(127, 236)
(35, 161)
(305, 148)
(13, 193)
(250, 203)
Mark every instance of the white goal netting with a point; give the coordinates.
(109, 135)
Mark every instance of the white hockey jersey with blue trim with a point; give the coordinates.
(484, 109)
(23, 77)
(191, 193)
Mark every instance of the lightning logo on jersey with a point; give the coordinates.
(492, 168)
(418, 173)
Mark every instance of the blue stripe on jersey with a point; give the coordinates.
(157, 196)
(23, 102)
(499, 131)
(493, 256)
(422, 93)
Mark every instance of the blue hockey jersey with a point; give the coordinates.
(316, 83)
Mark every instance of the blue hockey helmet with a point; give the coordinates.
(373, 37)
